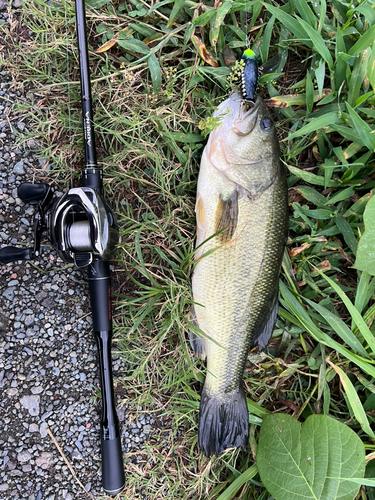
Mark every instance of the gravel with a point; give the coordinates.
(48, 359)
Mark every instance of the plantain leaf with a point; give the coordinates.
(310, 462)
(365, 260)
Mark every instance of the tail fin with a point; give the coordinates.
(223, 423)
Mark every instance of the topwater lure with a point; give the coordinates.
(249, 75)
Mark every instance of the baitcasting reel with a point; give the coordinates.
(80, 225)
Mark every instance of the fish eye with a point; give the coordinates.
(266, 124)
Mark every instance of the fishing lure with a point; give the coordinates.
(250, 75)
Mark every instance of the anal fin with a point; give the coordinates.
(263, 333)
(196, 341)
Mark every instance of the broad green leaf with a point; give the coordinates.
(221, 12)
(363, 130)
(368, 12)
(306, 13)
(177, 6)
(320, 74)
(354, 401)
(312, 195)
(291, 23)
(134, 45)
(204, 18)
(340, 67)
(155, 71)
(371, 68)
(365, 260)
(365, 41)
(96, 4)
(358, 76)
(341, 195)
(329, 166)
(311, 178)
(361, 296)
(322, 14)
(309, 462)
(316, 123)
(318, 42)
(309, 92)
(317, 214)
(266, 42)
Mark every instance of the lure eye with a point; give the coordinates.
(266, 124)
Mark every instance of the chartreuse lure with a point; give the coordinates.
(250, 75)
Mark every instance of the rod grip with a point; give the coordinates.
(113, 477)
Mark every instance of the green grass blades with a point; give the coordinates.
(354, 401)
(366, 259)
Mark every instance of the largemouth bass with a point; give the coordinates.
(241, 212)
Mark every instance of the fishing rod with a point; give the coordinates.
(82, 228)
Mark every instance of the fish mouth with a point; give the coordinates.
(247, 108)
(247, 116)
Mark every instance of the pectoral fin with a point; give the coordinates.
(227, 217)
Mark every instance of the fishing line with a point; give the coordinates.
(247, 41)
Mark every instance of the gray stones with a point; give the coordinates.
(23, 456)
(19, 168)
(45, 460)
(31, 403)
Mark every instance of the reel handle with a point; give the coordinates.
(113, 476)
(13, 254)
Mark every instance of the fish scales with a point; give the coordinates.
(235, 281)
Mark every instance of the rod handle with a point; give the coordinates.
(113, 476)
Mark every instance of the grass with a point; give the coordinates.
(158, 72)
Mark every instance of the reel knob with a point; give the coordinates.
(29, 192)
